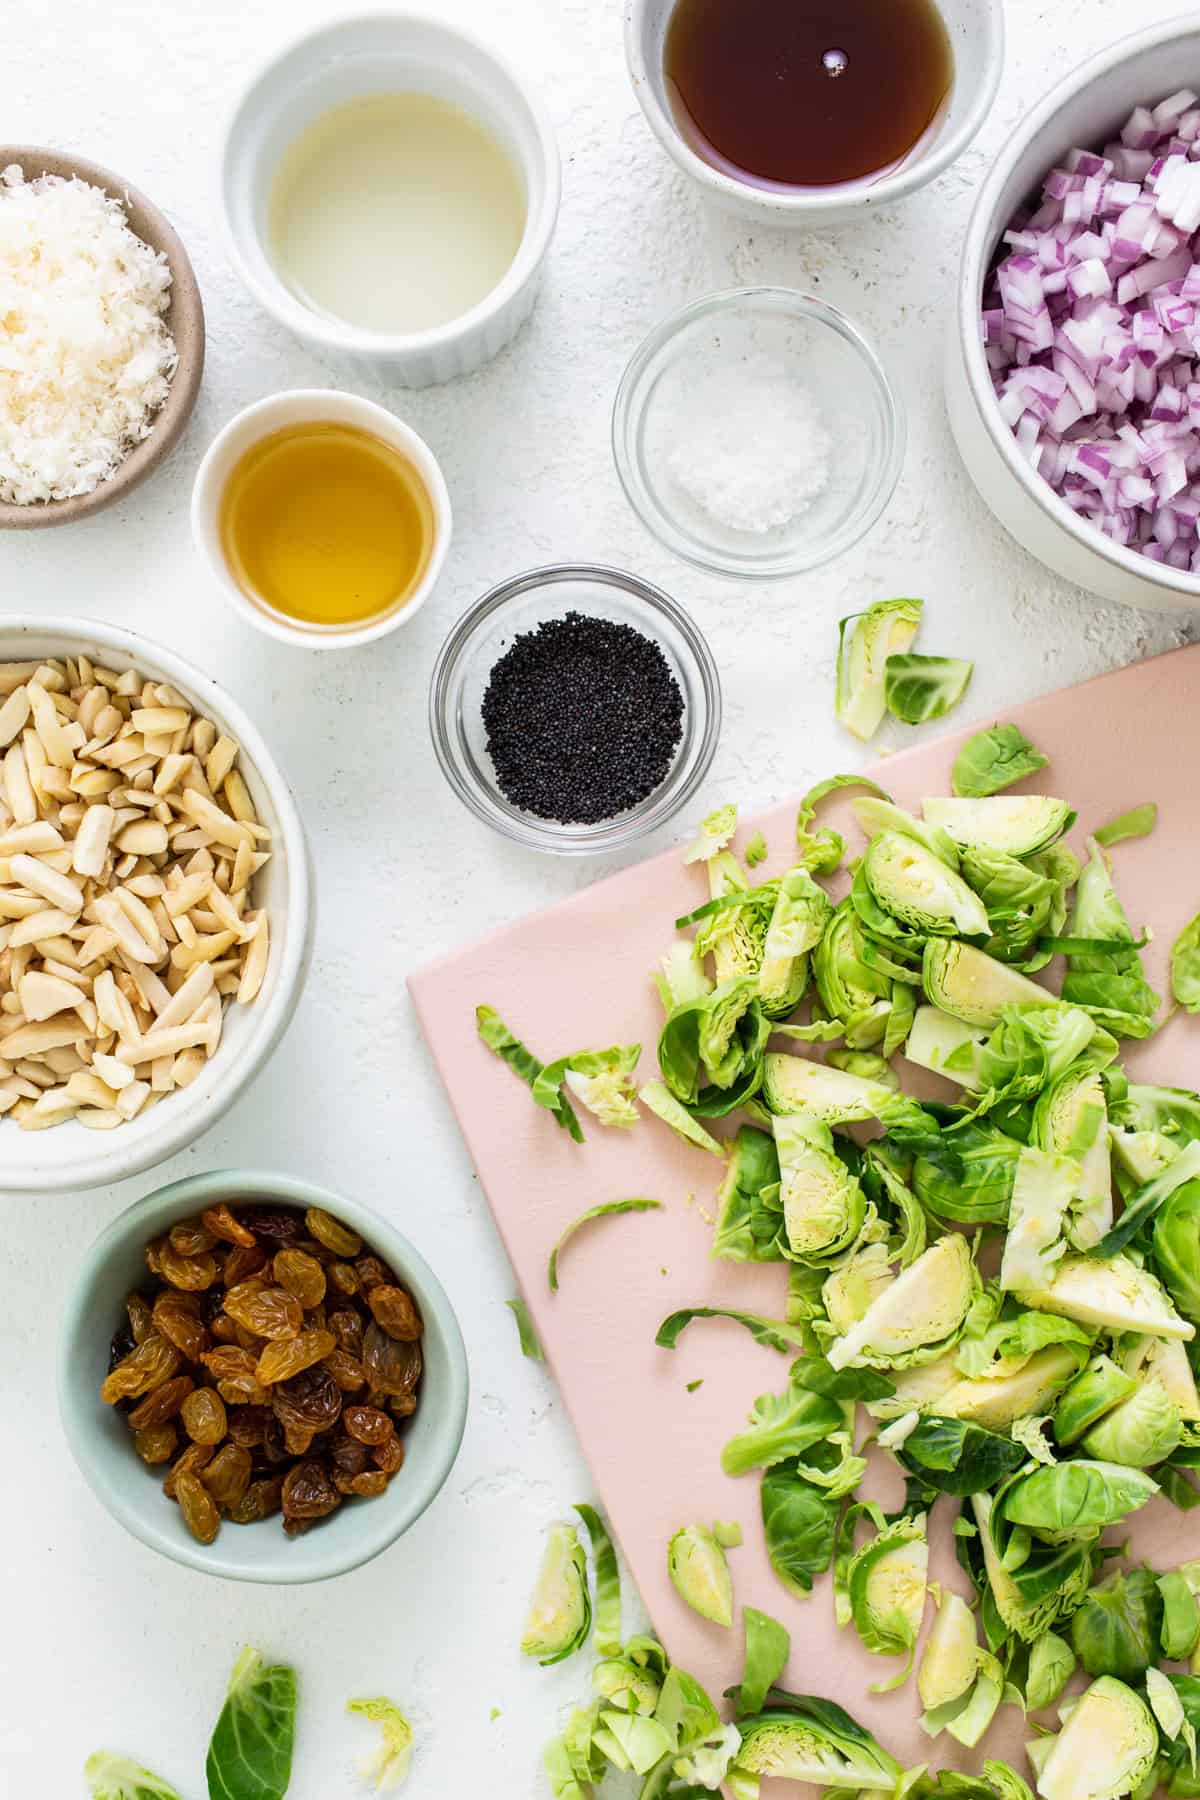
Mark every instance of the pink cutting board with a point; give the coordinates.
(578, 975)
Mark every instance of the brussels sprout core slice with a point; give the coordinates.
(1019, 824)
(922, 1308)
(917, 888)
(560, 1611)
(1107, 1747)
(949, 1664)
(1114, 1294)
(973, 986)
(696, 1564)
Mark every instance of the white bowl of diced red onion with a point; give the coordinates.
(1073, 370)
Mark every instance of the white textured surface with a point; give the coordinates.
(104, 1643)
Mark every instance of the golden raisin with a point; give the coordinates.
(137, 1309)
(198, 1507)
(146, 1367)
(347, 1327)
(177, 1318)
(367, 1424)
(161, 1404)
(248, 1425)
(346, 1370)
(190, 1238)
(332, 1233)
(371, 1273)
(224, 1225)
(267, 1312)
(280, 1361)
(203, 1415)
(302, 1276)
(156, 1443)
(391, 1367)
(389, 1455)
(189, 1462)
(342, 1278)
(243, 1264)
(369, 1485)
(261, 1499)
(395, 1310)
(308, 1492)
(228, 1474)
(191, 1273)
(223, 1329)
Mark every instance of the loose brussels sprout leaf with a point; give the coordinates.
(640, 1743)
(685, 1710)
(823, 1204)
(918, 889)
(698, 1568)
(734, 935)
(1185, 967)
(1180, 1631)
(716, 833)
(1032, 1046)
(950, 1661)
(1181, 1770)
(1093, 1393)
(560, 1609)
(387, 1766)
(882, 815)
(920, 1314)
(680, 978)
(782, 1426)
(968, 1720)
(1146, 1202)
(994, 759)
(604, 1081)
(608, 1582)
(801, 912)
(1173, 1111)
(1074, 1497)
(866, 641)
(1019, 824)
(1000, 1345)
(1042, 1192)
(886, 1583)
(1140, 1431)
(767, 1647)
(608, 1209)
(1138, 822)
(997, 1401)
(749, 1211)
(945, 1046)
(530, 1343)
(1047, 1588)
(497, 1036)
(822, 851)
(1116, 1630)
(1114, 1294)
(250, 1752)
(855, 1284)
(116, 1778)
(1107, 1747)
(918, 687)
(890, 1192)
(800, 1738)
(1168, 1710)
(852, 991)
(866, 1065)
(624, 1685)
(1071, 1119)
(1030, 1432)
(756, 850)
(799, 1525)
(1112, 986)
(707, 1764)
(1141, 1155)
(771, 1333)
(1165, 1360)
(659, 1100)
(1051, 1666)
(956, 1456)
(974, 987)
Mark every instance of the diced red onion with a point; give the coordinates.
(1091, 331)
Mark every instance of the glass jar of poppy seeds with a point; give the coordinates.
(575, 708)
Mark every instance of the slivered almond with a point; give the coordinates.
(14, 715)
(18, 790)
(42, 996)
(37, 927)
(207, 815)
(155, 719)
(36, 874)
(146, 837)
(91, 841)
(255, 966)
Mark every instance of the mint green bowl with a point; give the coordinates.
(101, 1443)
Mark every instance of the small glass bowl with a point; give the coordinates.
(487, 629)
(773, 331)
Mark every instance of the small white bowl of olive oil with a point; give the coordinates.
(324, 518)
(390, 188)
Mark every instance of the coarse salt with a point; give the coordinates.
(85, 355)
(751, 446)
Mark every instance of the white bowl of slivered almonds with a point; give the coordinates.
(155, 928)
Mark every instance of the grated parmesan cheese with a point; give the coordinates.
(85, 356)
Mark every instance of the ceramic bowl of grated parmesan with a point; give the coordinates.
(101, 338)
(756, 433)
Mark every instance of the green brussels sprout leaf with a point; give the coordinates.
(994, 759)
(607, 1209)
(918, 687)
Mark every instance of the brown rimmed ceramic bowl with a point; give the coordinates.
(184, 319)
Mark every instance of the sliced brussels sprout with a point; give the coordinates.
(716, 833)
(630, 1741)
(1071, 1119)
(995, 1401)
(735, 937)
(1051, 1666)
(886, 1584)
(680, 977)
(1181, 1616)
(560, 1610)
(944, 1045)
(881, 815)
(967, 1720)
(795, 1084)
(1114, 1294)
(1142, 1154)
(920, 1387)
(1101, 1386)
(1073, 1499)
(917, 888)
(823, 1203)
(1019, 824)
(800, 1738)
(919, 1314)
(974, 987)
(1043, 1189)
(854, 1286)
(749, 1213)
(1140, 1431)
(918, 687)
(1031, 1607)
(708, 1763)
(1165, 1360)
(994, 759)
(949, 1664)
(620, 1681)
(865, 642)
(1106, 1749)
(697, 1565)
(850, 989)
(1112, 986)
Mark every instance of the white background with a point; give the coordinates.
(101, 1642)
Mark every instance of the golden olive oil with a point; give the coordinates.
(395, 212)
(326, 524)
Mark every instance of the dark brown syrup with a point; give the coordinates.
(806, 93)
